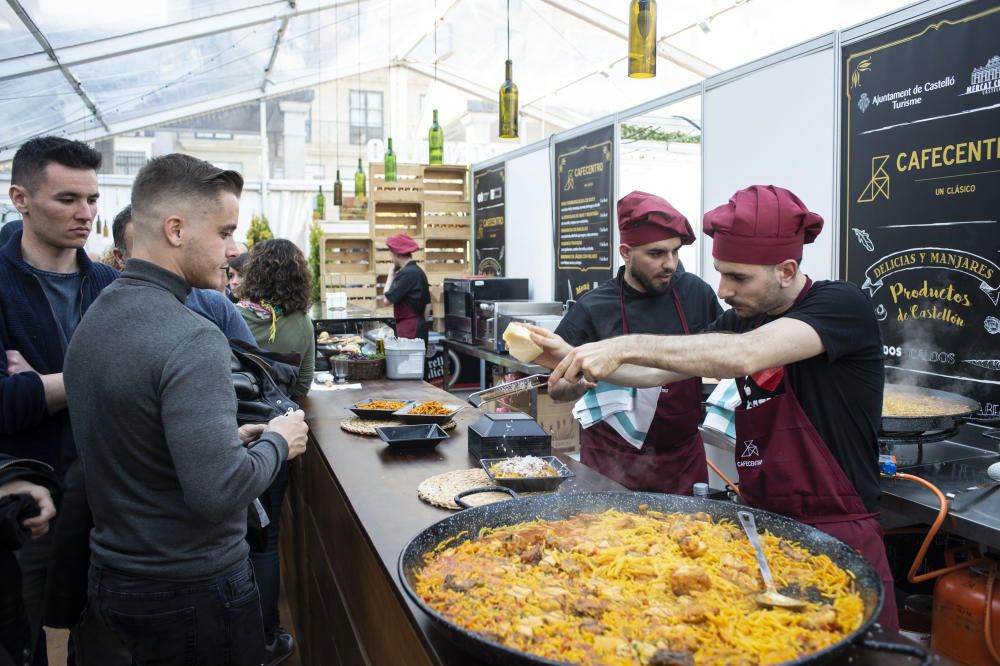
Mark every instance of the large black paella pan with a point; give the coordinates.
(560, 506)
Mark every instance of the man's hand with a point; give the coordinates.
(295, 431)
(16, 363)
(554, 348)
(592, 362)
(38, 525)
(250, 432)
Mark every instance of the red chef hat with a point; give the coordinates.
(646, 218)
(401, 244)
(763, 225)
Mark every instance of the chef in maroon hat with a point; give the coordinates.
(807, 359)
(407, 289)
(651, 294)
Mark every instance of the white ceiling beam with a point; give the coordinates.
(613, 25)
(274, 53)
(78, 54)
(192, 108)
(439, 14)
(54, 59)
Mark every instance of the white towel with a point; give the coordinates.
(722, 404)
(629, 411)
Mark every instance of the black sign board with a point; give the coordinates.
(921, 196)
(583, 210)
(488, 189)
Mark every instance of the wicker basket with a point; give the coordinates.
(366, 369)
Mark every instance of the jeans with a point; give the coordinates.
(266, 563)
(214, 622)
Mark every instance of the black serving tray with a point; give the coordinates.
(403, 414)
(527, 484)
(426, 435)
(361, 411)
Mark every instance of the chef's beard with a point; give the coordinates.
(647, 281)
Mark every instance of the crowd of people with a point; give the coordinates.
(126, 476)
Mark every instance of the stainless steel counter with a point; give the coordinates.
(956, 466)
(486, 356)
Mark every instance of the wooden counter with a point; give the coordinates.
(352, 507)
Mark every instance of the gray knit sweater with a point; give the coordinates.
(153, 409)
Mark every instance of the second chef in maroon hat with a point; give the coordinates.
(407, 289)
(807, 358)
(650, 294)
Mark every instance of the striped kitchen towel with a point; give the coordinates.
(628, 410)
(721, 405)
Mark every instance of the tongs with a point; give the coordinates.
(509, 388)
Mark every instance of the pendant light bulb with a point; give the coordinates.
(508, 105)
(642, 39)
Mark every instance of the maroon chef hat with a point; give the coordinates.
(646, 218)
(763, 225)
(401, 244)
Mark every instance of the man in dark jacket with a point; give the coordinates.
(47, 282)
(27, 488)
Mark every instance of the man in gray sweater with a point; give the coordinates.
(169, 475)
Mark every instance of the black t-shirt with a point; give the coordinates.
(597, 315)
(410, 286)
(840, 390)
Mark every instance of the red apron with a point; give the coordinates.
(786, 467)
(672, 458)
(406, 320)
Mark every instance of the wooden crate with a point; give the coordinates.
(445, 255)
(388, 218)
(346, 254)
(447, 219)
(446, 183)
(361, 288)
(383, 258)
(408, 185)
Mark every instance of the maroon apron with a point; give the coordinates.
(406, 320)
(786, 467)
(672, 458)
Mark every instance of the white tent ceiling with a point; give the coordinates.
(99, 68)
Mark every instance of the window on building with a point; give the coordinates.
(128, 162)
(366, 116)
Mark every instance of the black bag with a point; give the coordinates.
(263, 381)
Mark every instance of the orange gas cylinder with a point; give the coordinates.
(958, 630)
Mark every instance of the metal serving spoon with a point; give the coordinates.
(769, 598)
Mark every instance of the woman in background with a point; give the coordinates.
(275, 297)
(235, 283)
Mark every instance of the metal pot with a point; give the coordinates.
(557, 506)
(892, 424)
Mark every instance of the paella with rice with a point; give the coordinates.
(648, 588)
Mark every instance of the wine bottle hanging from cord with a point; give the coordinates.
(508, 105)
(435, 142)
(338, 191)
(319, 211)
(359, 182)
(642, 39)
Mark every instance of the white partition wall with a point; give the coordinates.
(773, 122)
(529, 221)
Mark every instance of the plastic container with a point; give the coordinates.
(404, 358)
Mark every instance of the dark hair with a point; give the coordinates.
(122, 219)
(278, 273)
(239, 264)
(176, 177)
(35, 155)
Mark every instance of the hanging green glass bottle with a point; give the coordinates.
(338, 191)
(642, 39)
(390, 162)
(359, 182)
(319, 211)
(508, 105)
(435, 142)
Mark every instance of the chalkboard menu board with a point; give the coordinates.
(921, 196)
(583, 209)
(488, 189)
